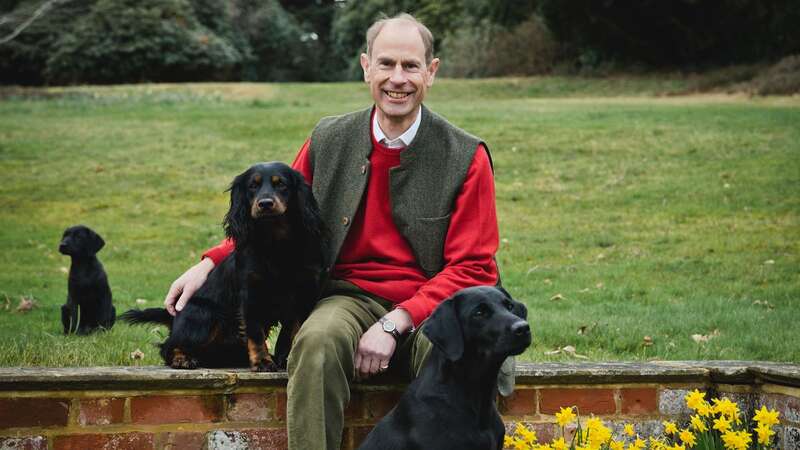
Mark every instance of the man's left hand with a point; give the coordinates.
(376, 347)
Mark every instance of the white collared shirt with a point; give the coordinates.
(401, 141)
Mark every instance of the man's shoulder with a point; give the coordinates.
(342, 120)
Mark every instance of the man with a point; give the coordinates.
(409, 199)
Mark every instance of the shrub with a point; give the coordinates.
(140, 40)
(491, 50)
(781, 79)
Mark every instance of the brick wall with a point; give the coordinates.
(159, 408)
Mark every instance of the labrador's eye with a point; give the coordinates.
(480, 312)
(508, 305)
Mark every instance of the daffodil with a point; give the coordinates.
(765, 433)
(508, 441)
(734, 440)
(723, 424)
(687, 437)
(678, 447)
(638, 444)
(599, 434)
(616, 445)
(656, 444)
(727, 408)
(565, 416)
(527, 435)
(765, 416)
(519, 444)
(694, 399)
(670, 427)
(559, 444)
(698, 424)
(629, 429)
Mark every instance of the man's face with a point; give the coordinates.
(396, 72)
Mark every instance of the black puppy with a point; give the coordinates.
(88, 293)
(273, 275)
(451, 405)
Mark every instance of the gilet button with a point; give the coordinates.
(345, 220)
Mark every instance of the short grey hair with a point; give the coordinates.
(424, 32)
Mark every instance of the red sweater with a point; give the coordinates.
(377, 258)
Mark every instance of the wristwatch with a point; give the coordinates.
(389, 327)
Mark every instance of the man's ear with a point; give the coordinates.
(443, 329)
(365, 66)
(433, 66)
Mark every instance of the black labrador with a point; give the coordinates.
(451, 405)
(88, 306)
(273, 276)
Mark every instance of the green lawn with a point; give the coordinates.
(623, 213)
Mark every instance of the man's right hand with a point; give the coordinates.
(186, 285)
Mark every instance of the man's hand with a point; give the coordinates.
(186, 285)
(376, 347)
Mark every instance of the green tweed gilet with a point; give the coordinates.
(422, 188)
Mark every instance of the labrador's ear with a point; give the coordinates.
(518, 309)
(93, 241)
(443, 329)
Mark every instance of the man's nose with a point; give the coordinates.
(398, 75)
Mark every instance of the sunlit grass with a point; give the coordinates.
(623, 214)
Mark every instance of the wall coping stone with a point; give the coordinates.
(540, 374)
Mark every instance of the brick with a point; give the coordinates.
(521, 402)
(182, 440)
(122, 441)
(588, 401)
(159, 409)
(103, 411)
(791, 438)
(251, 407)
(23, 443)
(378, 404)
(266, 439)
(33, 412)
(639, 401)
(280, 406)
(671, 402)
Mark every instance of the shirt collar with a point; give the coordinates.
(401, 141)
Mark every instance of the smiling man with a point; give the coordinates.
(409, 200)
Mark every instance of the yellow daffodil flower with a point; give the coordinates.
(694, 399)
(727, 408)
(565, 416)
(525, 434)
(616, 445)
(629, 429)
(765, 416)
(765, 433)
(687, 437)
(559, 444)
(670, 427)
(722, 424)
(698, 424)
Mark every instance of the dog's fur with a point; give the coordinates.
(88, 306)
(452, 402)
(273, 275)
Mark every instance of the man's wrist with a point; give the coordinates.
(401, 319)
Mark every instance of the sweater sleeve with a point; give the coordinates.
(471, 242)
(301, 164)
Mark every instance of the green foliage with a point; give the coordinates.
(140, 40)
(675, 33)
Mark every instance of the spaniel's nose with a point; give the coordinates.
(266, 203)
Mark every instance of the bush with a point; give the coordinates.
(491, 50)
(122, 41)
(781, 79)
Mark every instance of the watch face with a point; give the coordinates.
(388, 326)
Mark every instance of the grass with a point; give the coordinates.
(623, 213)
